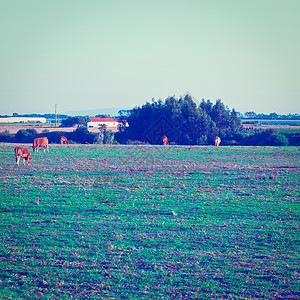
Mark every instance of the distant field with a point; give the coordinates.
(150, 222)
(50, 127)
(271, 123)
(14, 128)
(272, 126)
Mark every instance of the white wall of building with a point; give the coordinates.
(97, 124)
(22, 120)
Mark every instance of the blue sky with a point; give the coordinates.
(84, 55)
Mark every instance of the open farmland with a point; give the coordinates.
(13, 128)
(150, 222)
(46, 127)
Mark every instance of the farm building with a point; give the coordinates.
(22, 120)
(109, 122)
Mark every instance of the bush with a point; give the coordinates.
(277, 140)
(32, 131)
(293, 137)
(5, 136)
(22, 133)
(5, 133)
(82, 135)
(269, 137)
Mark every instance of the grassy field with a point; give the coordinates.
(150, 222)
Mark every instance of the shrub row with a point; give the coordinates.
(81, 135)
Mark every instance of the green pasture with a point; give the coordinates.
(150, 222)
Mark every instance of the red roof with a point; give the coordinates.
(102, 120)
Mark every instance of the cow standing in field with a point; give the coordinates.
(40, 142)
(22, 152)
(63, 139)
(217, 141)
(165, 140)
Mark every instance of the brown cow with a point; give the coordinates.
(165, 140)
(22, 152)
(40, 142)
(217, 141)
(63, 139)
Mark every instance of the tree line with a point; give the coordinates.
(46, 116)
(182, 120)
(271, 116)
(185, 122)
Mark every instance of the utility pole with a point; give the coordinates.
(55, 115)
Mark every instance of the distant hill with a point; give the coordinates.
(93, 112)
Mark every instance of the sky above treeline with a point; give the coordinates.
(95, 54)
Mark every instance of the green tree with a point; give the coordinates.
(72, 121)
(22, 133)
(220, 116)
(207, 106)
(102, 116)
(109, 137)
(25, 133)
(188, 123)
(99, 138)
(82, 135)
(234, 123)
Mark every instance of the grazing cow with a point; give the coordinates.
(40, 142)
(22, 152)
(217, 141)
(63, 139)
(165, 140)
